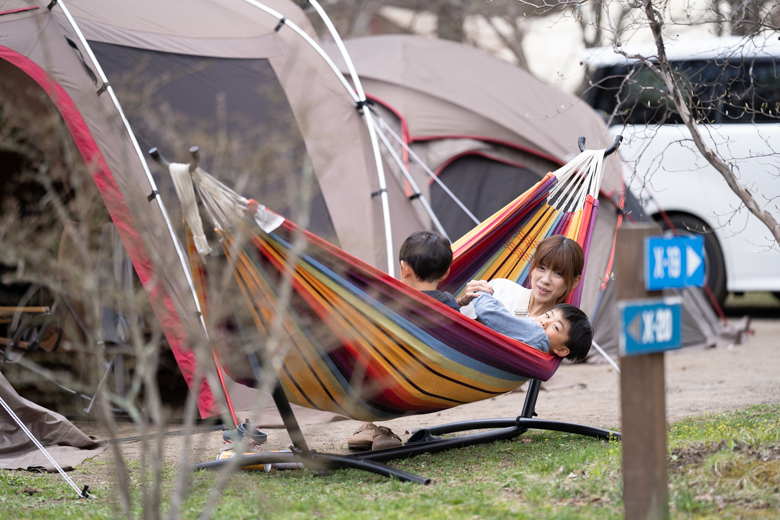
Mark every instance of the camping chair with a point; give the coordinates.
(362, 344)
(42, 327)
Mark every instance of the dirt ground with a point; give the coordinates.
(697, 381)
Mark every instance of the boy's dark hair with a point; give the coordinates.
(428, 254)
(580, 331)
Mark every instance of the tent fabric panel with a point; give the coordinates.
(204, 19)
(68, 445)
(250, 48)
(265, 148)
(483, 185)
(58, 71)
(430, 115)
(339, 148)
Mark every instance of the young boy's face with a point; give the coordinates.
(557, 330)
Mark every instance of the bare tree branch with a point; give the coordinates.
(655, 19)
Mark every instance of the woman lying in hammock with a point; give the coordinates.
(559, 328)
(556, 270)
(536, 316)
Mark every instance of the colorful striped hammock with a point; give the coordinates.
(355, 341)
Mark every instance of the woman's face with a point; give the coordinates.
(547, 285)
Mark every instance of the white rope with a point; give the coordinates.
(577, 179)
(182, 181)
(410, 179)
(432, 175)
(606, 356)
(40, 447)
(225, 207)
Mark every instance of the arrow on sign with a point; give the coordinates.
(692, 260)
(634, 328)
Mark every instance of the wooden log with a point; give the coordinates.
(10, 311)
(8, 341)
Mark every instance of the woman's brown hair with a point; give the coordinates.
(563, 255)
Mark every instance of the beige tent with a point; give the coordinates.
(487, 129)
(184, 72)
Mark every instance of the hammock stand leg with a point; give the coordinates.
(313, 460)
(501, 429)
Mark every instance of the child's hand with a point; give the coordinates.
(472, 288)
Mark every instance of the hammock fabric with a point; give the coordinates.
(357, 342)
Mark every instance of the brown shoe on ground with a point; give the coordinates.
(385, 438)
(363, 438)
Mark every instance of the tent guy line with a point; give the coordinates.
(412, 183)
(81, 494)
(425, 167)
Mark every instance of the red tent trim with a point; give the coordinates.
(20, 10)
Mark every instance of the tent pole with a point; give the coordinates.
(432, 175)
(371, 131)
(108, 88)
(417, 193)
(360, 100)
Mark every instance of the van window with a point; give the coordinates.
(752, 92)
(640, 94)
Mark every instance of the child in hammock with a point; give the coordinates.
(563, 331)
(425, 261)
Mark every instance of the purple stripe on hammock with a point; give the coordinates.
(577, 297)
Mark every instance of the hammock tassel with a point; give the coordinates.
(180, 173)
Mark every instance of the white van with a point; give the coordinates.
(735, 86)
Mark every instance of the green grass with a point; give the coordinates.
(720, 466)
(752, 299)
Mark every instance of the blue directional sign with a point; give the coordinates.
(674, 262)
(649, 326)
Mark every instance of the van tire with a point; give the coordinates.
(714, 266)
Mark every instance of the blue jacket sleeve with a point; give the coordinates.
(491, 314)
